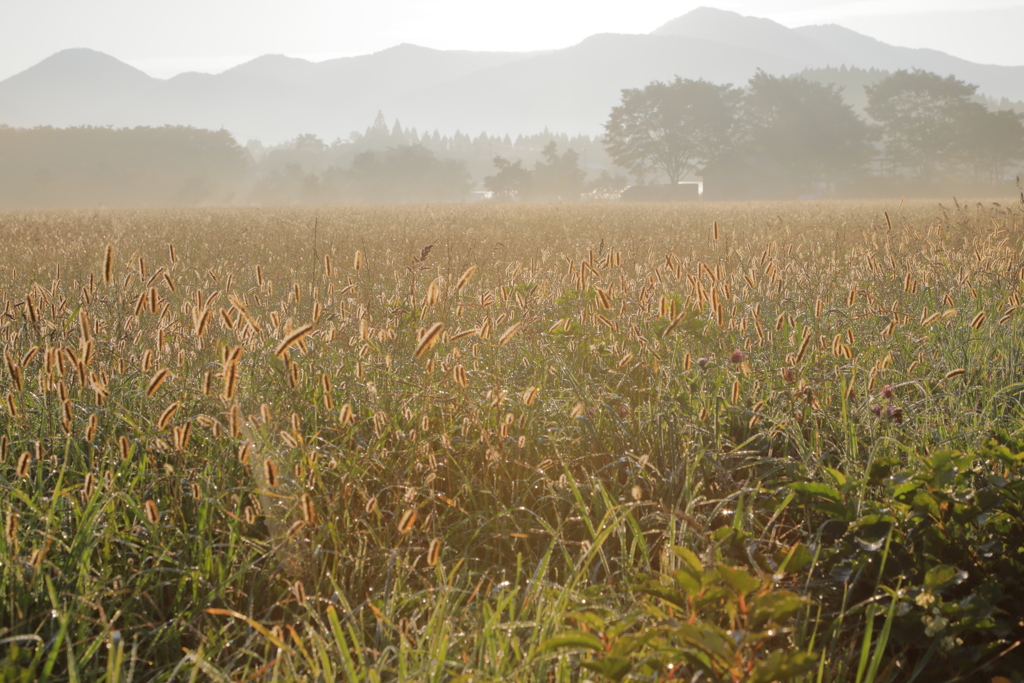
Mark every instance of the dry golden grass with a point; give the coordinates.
(466, 389)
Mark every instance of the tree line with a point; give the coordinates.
(778, 137)
(783, 135)
(89, 166)
(179, 165)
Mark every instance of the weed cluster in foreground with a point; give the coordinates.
(743, 443)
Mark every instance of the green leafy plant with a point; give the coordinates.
(724, 623)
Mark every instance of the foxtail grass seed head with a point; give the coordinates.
(357, 261)
(804, 345)
(459, 375)
(152, 512)
(124, 446)
(11, 527)
(434, 552)
(235, 421)
(156, 381)
(464, 279)
(292, 339)
(512, 331)
(84, 325)
(230, 382)
(308, 511)
(270, 472)
(954, 373)
(24, 463)
(167, 415)
(88, 486)
(672, 325)
(408, 520)
(108, 265)
(428, 338)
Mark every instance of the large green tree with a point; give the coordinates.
(672, 128)
(923, 117)
(805, 127)
(512, 181)
(558, 176)
(992, 144)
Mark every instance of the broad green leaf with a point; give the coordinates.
(614, 668)
(573, 639)
(592, 620)
(942, 576)
(924, 502)
(794, 559)
(687, 581)
(816, 489)
(740, 580)
(838, 476)
(907, 487)
(689, 557)
(776, 607)
(667, 594)
(628, 644)
(712, 640)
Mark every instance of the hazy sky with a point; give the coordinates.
(164, 38)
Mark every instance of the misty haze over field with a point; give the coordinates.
(453, 125)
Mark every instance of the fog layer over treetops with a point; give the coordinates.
(276, 98)
(776, 138)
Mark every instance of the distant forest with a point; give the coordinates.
(826, 132)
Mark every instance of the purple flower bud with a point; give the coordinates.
(702, 363)
(737, 357)
(887, 391)
(894, 413)
(877, 410)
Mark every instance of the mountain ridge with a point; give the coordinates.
(277, 97)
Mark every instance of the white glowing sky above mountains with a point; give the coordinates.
(164, 38)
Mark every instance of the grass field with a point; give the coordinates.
(543, 443)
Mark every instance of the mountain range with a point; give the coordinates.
(274, 98)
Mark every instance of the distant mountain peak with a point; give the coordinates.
(84, 59)
(82, 66)
(276, 97)
(716, 20)
(754, 33)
